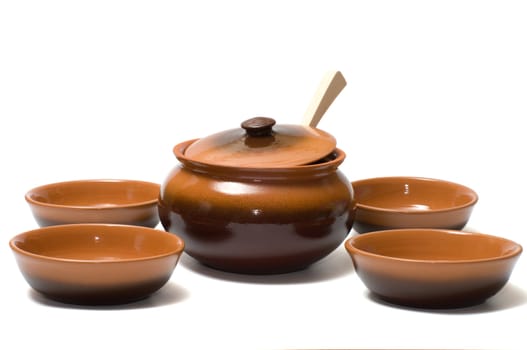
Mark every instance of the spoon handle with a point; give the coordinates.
(331, 85)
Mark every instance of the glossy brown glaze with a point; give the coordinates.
(411, 202)
(257, 220)
(433, 268)
(259, 143)
(96, 263)
(95, 201)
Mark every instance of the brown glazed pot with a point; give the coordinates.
(257, 219)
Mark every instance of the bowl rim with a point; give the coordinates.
(120, 227)
(30, 200)
(352, 249)
(385, 179)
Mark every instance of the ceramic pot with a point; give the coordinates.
(254, 218)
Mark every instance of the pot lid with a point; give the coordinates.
(261, 143)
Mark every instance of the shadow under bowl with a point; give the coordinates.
(411, 202)
(96, 264)
(433, 268)
(110, 201)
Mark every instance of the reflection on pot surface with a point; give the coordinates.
(257, 220)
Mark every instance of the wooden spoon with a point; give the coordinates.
(330, 87)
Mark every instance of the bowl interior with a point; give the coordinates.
(434, 245)
(97, 242)
(95, 193)
(411, 194)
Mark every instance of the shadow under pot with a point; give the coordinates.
(262, 206)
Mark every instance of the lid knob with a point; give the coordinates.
(259, 126)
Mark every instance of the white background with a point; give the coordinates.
(105, 89)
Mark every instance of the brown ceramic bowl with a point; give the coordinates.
(411, 202)
(432, 268)
(126, 202)
(96, 263)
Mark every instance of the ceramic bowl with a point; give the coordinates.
(126, 202)
(96, 263)
(411, 202)
(432, 268)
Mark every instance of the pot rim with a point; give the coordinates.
(309, 170)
